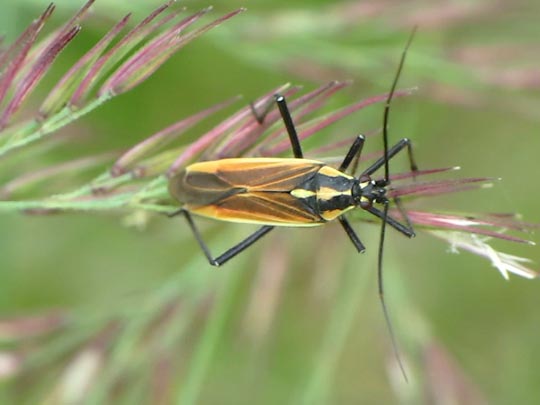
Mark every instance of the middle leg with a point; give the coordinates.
(354, 151)
(352, 235)
(289, 125)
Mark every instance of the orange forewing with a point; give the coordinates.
(266, 174)
(206, 183)
(248, 190)
(262, 208)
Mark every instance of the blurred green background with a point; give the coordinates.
(296, 319)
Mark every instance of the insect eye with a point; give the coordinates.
(365, 203)
(364, 179)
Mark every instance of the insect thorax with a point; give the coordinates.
(328, 193)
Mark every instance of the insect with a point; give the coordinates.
(290, 192)
(293, 192)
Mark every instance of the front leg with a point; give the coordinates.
(393, 151)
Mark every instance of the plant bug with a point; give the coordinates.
(293, 192)
(290, 192)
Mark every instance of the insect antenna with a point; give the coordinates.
(387, 106)
(386, 206)
(381, 293)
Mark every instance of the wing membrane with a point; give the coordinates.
(208, 183)
(262, 208)
(264, 174)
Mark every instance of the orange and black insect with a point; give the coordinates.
(293, 192)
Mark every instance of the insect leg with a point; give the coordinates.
(393, 151)
(289, 125)
(354, 168)
(404, 229)
(354, 151)
(250, 240)
(352, 235)
(229, 254)
(403, 213)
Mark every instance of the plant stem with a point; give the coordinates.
(53, 124)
